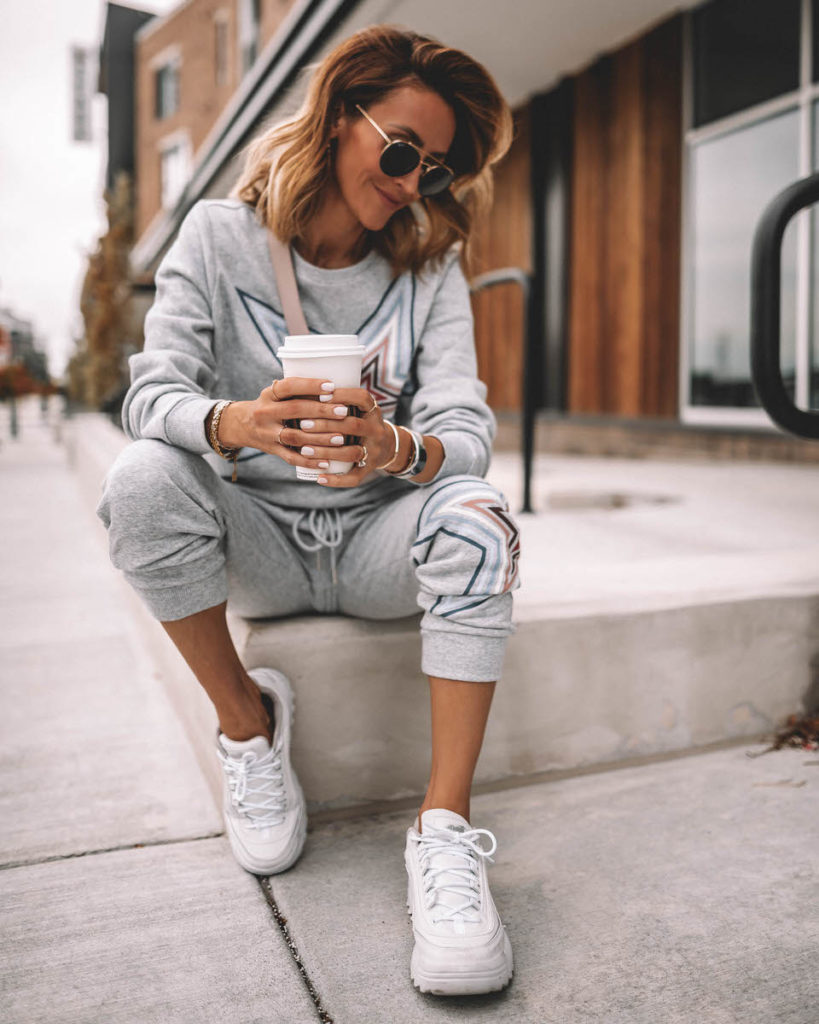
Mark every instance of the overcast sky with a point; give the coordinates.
(51, 208)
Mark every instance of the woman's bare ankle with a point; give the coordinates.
(241, 731)
(246, 722)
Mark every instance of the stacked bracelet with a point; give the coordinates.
(394, 455)
(420, 460)
(408, 464)
(213, 436)
(417, 460)
(416, 464)
(411, 468)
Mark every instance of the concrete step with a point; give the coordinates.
(646, 438)
(663, 607)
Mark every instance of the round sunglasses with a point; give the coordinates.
(399, 158)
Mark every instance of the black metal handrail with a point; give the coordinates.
(766, 285)
(514, 275)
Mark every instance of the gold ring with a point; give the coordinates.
(363, 461)
(273, 389)
(369, 412)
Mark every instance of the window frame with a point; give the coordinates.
(248, 36)
(171, 57)
(221, 22)
(175, 140)
(802, 100)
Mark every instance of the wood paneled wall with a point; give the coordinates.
(625, 263)
(504, 240)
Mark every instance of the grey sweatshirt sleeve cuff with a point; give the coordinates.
(185, 423)
(463, 453)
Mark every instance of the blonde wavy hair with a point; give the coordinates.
(287, 167)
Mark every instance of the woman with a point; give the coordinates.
(376, 185)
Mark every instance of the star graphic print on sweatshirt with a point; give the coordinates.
(386, 337)
(216, 326)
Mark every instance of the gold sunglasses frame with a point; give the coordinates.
(426, 160)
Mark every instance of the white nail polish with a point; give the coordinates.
(307, 450)
(340, 410)
(337, 439)
(325, 398)
(324, 465)
(306, 424)
(328, 386)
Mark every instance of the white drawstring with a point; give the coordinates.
(325, 526)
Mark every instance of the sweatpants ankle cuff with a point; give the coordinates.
(465, 656)
(169, 603)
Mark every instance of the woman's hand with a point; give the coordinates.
(299, 413)
(374, 434)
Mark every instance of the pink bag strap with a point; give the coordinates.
(286, 284)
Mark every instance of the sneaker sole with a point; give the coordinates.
(296, 845)
(452, 983)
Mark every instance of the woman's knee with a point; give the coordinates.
(147, 476)
(466, 525)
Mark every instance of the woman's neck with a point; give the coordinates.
(334, 238)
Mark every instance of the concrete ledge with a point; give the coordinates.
(645, 438)
(689, 650)
(576, 692)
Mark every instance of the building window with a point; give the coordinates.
(174, 170)
(220, 57)
(753, 130)
(250, 15)
(166, 80)
(84, 73)
(764, 158)
(745, 52)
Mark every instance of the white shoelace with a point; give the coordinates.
(466, 883)
(256, 786)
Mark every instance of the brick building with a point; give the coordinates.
(190, 69)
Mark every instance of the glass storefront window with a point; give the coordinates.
(815, 40)
(813, 367)
(745, 52)
(733, 177)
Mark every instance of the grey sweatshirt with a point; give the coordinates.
(215, 329)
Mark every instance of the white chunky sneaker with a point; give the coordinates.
(264, 809)
(461, 946)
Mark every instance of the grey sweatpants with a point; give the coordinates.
(187, 540)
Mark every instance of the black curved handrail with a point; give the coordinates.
(766, 284)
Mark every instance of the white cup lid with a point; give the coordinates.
(324, 343)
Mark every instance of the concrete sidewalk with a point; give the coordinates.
(670, 890)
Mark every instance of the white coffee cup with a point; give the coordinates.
(335, 357)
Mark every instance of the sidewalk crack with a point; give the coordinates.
(56, 857)
(281, 921)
